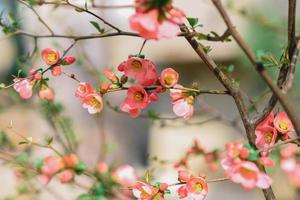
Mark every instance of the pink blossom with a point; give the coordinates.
(143, 70)
(125, 175)
(184, 107)
(268, 121)
(153, 25)
(93, 102)
(66, 176)
(71, 160)
(265, 137)
(248, 174)
(24, 88)
(137, 99)
(168, 78)
(282, 123)
(177, 93)
(266, 161)
(84, 89)
(50, 56)
(35, 74)
(102, 168)
(195, 188)
(51, 166)
(46, 93)
(56, 71)
(144, 191)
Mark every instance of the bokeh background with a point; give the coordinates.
(263, 23)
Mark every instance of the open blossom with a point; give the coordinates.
(195, 188)
(144, 191)
(83, 89)
(168, 77)
(184, 107)
(125, 175)
(93, 102)
(50, 56)
(156, 23)
(265, 137)
(137, 99)
(24, 88)
(282, 123)
(143, 70)
(248, 174)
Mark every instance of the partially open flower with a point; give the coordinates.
(168, 78)
(93, 102)
(46, 93)
(84, 89)
(265, 137)
(184, 107)
(282, 123)
(24, 88)
(50, 56)
(56, 71)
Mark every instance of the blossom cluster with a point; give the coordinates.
(273, 128)
(52, 58)
(239, 165)
(290, 163)
(156, 19)
(146, 87)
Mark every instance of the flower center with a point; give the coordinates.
(247, 173)
(95, 103)
(52, 57)
(198, 187)
(268, 137)
(138, 96)
(82, 89)
(283, 125)
(136, 64)
(169, 79)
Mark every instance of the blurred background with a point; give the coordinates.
(136, 141)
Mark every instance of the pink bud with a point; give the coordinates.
(111, 76)
(56, 71)
(102, 167)
(163, 186)
(183, 175)
(46, 93)
(244, 153)
(153, 97)
(69, 60)
(66, 176)
(70, 160)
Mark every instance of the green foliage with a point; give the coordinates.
(22, 159)
(194, 22)
(80, 167)
(33, 2)
(9, 24)
(97, 26)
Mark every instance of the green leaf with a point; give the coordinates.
(49, 141)
(23, 142)
(147, 176)
(79, 9)
(22, 159)
(80, 167)
(2, 86)
(97, 26)
(193, 21)
(38, 164)
(230, 68)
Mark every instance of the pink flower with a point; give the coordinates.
(36, 74)
(265, 137)
(177, 93)
(152, 25)
(66, 176)
(50, 56)
(144, 191)
(294, 176)
(102, 168)
(46, 93)
(184, 107)
(143, 70)
(168, 77)
(56, 71)
(24, 88)
(125, 175)
(268, 121)
(248, 174)
(71, 160)
(266, 161)
(93, 102)
(51, 166)
(282, 123)
(84, 89)
(195, 188)
(137, 99)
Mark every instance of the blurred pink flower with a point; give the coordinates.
(93, 102)
(168, 78)
(184, 107)
(265, 137)
(24, 88)
(66, 176)
(46, 93)
(56, 71)
(125, 175)
(84, 89)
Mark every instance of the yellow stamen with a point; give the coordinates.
(283, 125)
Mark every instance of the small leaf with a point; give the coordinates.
(230, 68)
(23, 142)
(193, 21)
(79, 9)
(2, 86)
(80, 167)
(97, 26)
(49, 141)
(147, 176)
